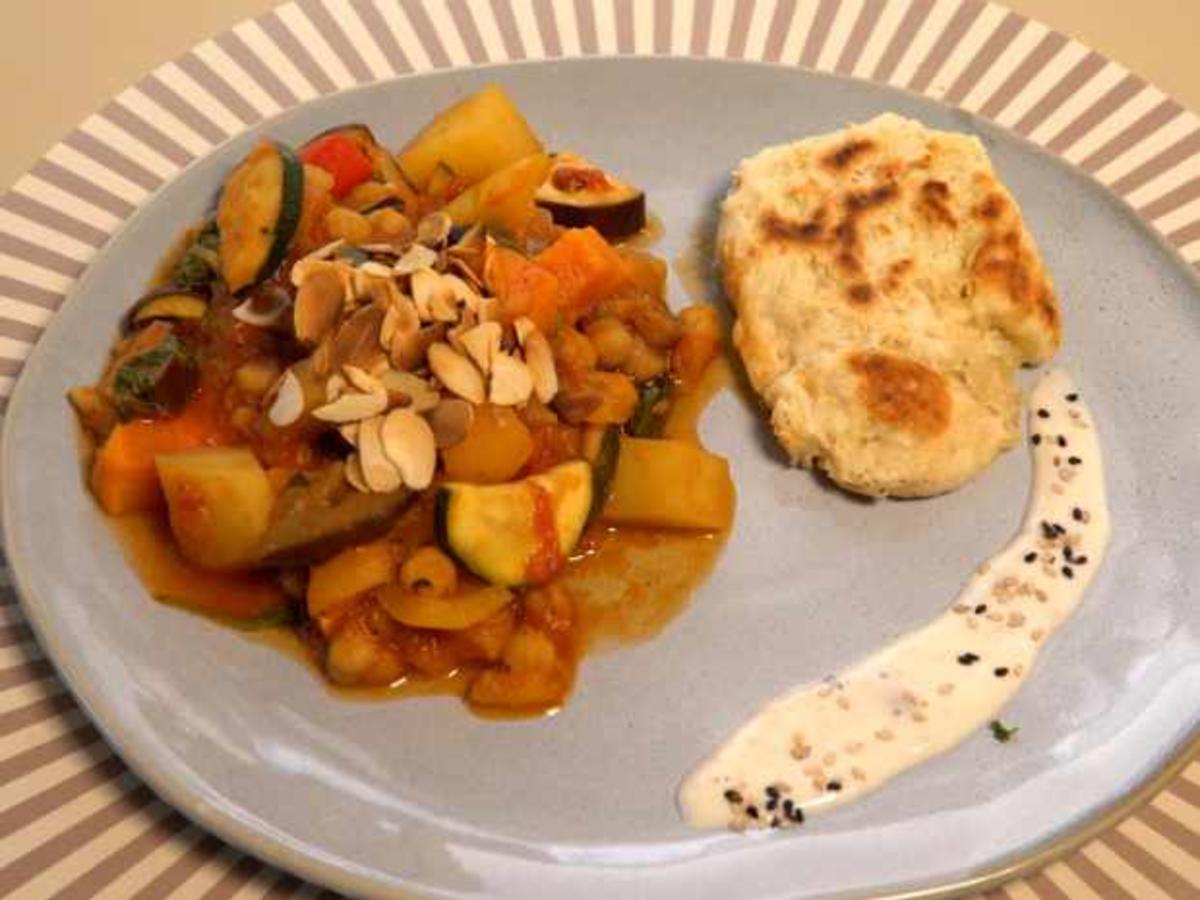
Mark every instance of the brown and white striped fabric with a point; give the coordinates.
(74, 822)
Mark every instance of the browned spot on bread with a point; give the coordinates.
(860, 293)
(860, 201)
(776, 226)
(896, 272)
(993, 207)
(902, 392)
(934, 197)
(1005, 263)
(845, 154)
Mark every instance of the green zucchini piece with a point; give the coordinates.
(169, 304)
(258, 214)
(156, 382)
(493, 530)
(650, 412)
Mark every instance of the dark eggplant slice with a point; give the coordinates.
(156, 381)
(578, 194)
(318, 513)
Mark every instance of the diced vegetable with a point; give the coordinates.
(315, 203)
(343, 577)
(243, 599)
(587, 267)
(342, 157)
(444, 613)
(520, 532)
(384, 165)
(319, 514)
(496, 448)
(670, 484)
(698, 345)
(475, 137)
(169, 304)
(155, 382)
(579, 194)
(258, 214)
(198, 265)
(523, 288)
(219, 503)
(602, 448)
(503, 200)
(597, 398)
(123, 476)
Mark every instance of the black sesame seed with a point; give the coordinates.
(1080, 560)
(1074, 460)
(1077, 514)
(1068, 572)
(1067, 553)
(798, 815)
(1062, 441)
(1000, 671)
(980, 609)
(775, 821)
(968, 659)
(1035, 440)
(733, 796)
(1048, 531)
(772, 792)
(1058, 529)
(1071, 398)
(1043, 413)
(752, 811)
(771, 804)
(1031, 556)
(788, 806)
(834, 786)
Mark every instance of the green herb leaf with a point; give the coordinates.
(648, 415)
(1003, 733)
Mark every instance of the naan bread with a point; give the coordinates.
(886, 290)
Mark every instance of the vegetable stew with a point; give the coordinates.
(416, 408)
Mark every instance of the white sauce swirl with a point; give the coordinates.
(825, 744)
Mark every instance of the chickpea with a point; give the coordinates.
(654, 323)
(644, 362)
(352, 227)
(429, 571)
(573, 353)
(611, 340)
(356, 657)
(389, 226)
(368, 194)
(529, 649)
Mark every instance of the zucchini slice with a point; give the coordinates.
(258, 214)
(520, 532)
(169, 304)
(578, 194)
(602, 448)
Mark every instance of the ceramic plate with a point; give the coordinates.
(420, 795)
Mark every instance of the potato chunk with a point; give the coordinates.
(219, 501)
(670, 484)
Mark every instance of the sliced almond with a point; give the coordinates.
(254, 311)
(425, 284)
(512, 383)
(463, 293)
(524, 327)
(352, 407)
(540, 360)
(399, 318)
(335, 387)
(376, 269)
(319, 303)
(409, 444)
(434, 229)
(457, 373)
(354, 474)
(415, 258)
(364, 381)
(380, 475)
(450, 420)
(322, 252)
(288, 405)
(409, 390)
(356, 341)
(481, 344)
(349, 433)
(409, 348)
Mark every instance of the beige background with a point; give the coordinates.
(62, 59)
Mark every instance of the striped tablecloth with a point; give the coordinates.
(74, 822)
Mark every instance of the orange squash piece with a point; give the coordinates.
(588, 268)
(523, 288)
(123, 476)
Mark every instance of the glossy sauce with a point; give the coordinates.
(828, 743)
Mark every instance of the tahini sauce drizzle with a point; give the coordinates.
(825, 744)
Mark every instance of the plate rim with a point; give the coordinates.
(298, 862)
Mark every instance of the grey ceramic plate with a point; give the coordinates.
(374, 797)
